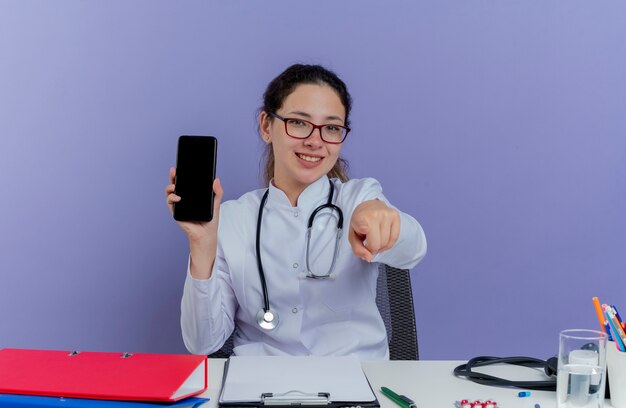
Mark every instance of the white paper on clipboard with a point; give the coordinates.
(248, 377)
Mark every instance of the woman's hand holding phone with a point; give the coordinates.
(202, 235)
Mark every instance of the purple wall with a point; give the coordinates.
(501, 126)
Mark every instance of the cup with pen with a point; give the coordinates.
(615, 329)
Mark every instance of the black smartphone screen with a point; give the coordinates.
(195, 172)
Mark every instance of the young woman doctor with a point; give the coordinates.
(258, 268)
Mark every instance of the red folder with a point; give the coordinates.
(100, 375)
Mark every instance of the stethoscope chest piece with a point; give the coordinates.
(268, 320)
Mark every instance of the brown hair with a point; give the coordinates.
(282, 86)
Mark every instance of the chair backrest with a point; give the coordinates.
(394, 299)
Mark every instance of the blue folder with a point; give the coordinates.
(19, 401)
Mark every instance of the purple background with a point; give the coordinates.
(500, 125)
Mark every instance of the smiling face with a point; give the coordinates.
(300, 162)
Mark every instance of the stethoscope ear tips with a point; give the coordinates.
(268, 320)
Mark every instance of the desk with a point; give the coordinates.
(430, 384)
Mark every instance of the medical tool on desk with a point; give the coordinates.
(549, 366)
(267, 318)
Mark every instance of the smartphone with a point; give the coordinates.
(195, 172)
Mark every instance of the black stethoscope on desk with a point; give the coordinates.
(267, 318)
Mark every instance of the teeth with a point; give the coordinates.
(309, 158)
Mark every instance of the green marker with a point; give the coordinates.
(403, 401)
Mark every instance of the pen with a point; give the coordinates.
(609, 336)
(617, 327)
(401, 400)
(596, 305)
(618, 340)
(617, 314)
(623, 323)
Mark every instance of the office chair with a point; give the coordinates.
(394, 299)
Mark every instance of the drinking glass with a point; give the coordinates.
(581, 369)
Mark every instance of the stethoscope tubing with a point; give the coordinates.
(266, 301)
(266, 318)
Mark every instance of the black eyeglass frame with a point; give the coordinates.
(345, 128)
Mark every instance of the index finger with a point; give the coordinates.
(373, 240)
(172, 175)
(358, 248)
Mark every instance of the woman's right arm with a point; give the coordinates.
(208, 305)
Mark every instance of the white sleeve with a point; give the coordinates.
(208, 309)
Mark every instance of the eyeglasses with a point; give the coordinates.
(301, 129)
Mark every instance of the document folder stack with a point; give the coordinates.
(285, 380)
(32, 401)
(102, 376)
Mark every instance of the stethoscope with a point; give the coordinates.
(267, 318)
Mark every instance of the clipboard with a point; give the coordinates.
(311, 382)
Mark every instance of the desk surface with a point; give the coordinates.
(430, 384)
